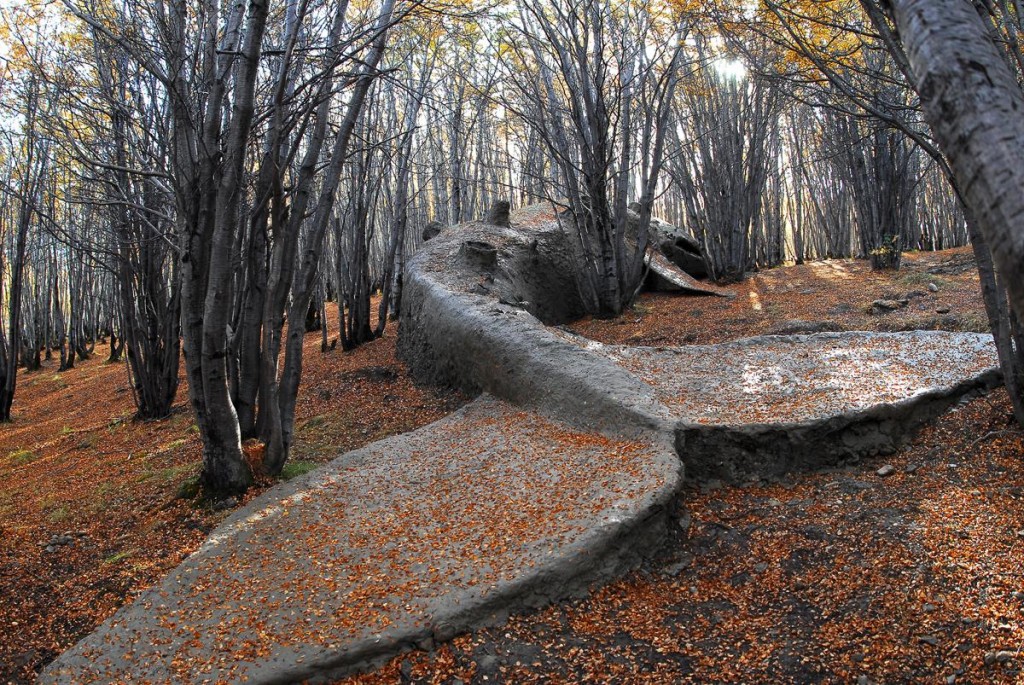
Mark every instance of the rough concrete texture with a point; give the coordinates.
(508, 505)
(481, 326)
(769, 405)
(402, 543)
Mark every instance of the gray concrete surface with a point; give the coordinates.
(400, 544)
(566, 481)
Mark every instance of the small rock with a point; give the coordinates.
(1000, 657)
(928, 608)
(675, 569)
(740, 579)
(859, 657)
(951, 679)
(710, 486)
(942, 310)
(928, 640)
(914, 294)
(911, 468)
(51, 549)
(685, 521)
(933, 288)
(975, 492)
(223, 504)
(405, 669)
(772, 502)
(1018, 595)
(1020, 533)
(863, 680)
(801, 327)
(761, 567)
(880, 306)
(885, 471)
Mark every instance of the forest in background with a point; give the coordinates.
(202, 180)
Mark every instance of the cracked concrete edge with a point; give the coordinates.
(737, 453)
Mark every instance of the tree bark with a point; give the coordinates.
(975, 106)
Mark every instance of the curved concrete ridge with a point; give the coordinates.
(566, 481)
(730, 407)
(481, 327)
(406, 541)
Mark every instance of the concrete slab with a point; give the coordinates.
(404, 542)
(679, 279)
(769, 405)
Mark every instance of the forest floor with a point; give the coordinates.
(89, 508)
(838, 576)
(834, 576)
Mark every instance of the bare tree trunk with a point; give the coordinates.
(975, 106)
(285, 392)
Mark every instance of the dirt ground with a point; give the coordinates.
(841, 576)
(827, 295)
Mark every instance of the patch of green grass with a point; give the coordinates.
(296, 468)
(100, 500)
(314, 422)
(165, 475)
(22, 457)
(66, 430)
(173, 445)
(641, 309)
(913, 279)
(117, 556)
(172, 473)
(190, 488)
(59, 514)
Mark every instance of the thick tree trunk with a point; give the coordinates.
(975, 106)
